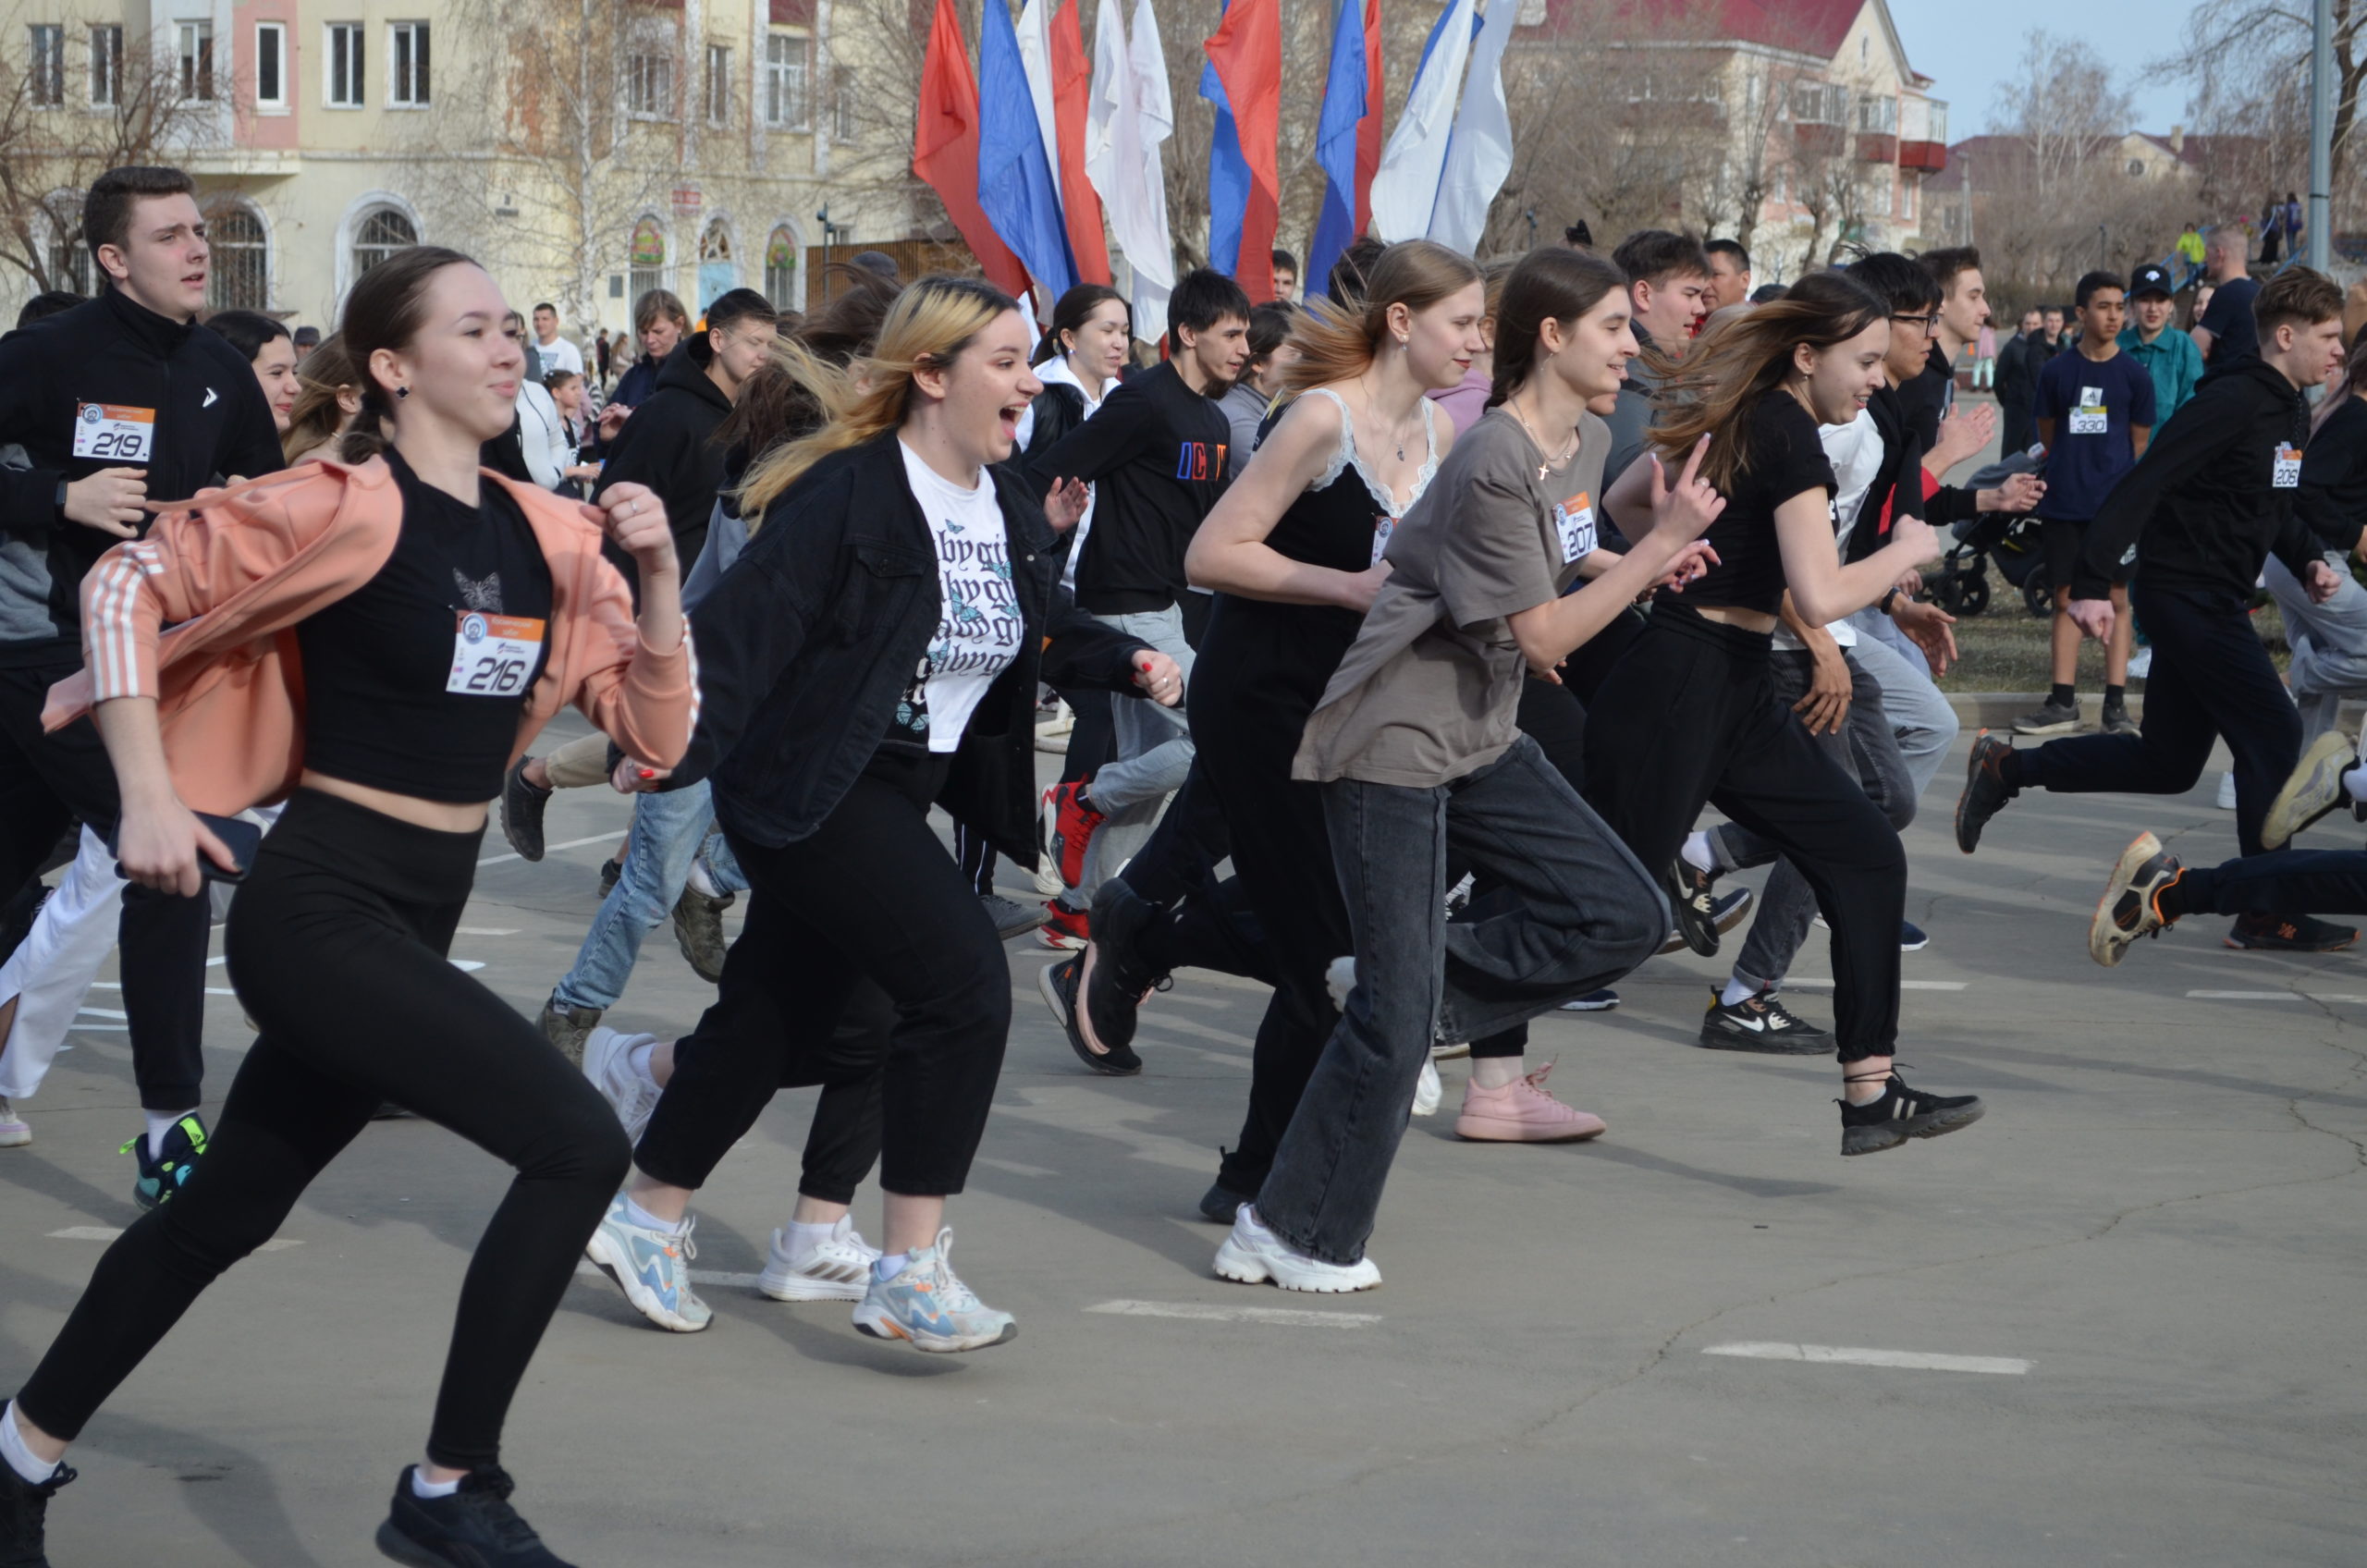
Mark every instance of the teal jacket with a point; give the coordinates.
(2175, 363)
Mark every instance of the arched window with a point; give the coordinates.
(2136, 169)
(648, 258)
(718, 273)
(780, 270)
(239, 277)
(715, 245)
(379, 235)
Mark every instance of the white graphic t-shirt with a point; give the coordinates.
(979, 628)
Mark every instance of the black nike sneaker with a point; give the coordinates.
(24, 1508)
(1062, 988)
(1985, 790)
(1762, 1023)
(1902, 1113)
(475, 1527)
(1115, 981)
(2289, 934)
(1692, 897)
(522, 811)
(1726, 911)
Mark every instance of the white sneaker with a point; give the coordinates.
(607, 1062)
(652, 1267)
(926, 1305)
(839, 1270)
(2226, 800)
(15, 1131)
(1254, 1256)
(1428, 1090)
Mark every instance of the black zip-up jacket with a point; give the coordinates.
(668, 446)
(210, 422)
(814, 633)
(1898, 483)
(2203, 505)
(2333, 499)
(1155, 454)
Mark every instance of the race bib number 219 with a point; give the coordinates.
(114, 433)
(493, 656)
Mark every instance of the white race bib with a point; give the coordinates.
(114, 433)
(493, 656)
(1573, 524)
(2088, 418)
(2286, 472)
(1384, 525)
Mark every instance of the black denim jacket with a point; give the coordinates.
(809, 639)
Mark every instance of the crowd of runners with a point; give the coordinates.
(1430, 652)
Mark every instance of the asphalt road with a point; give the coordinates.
(2116, 1321)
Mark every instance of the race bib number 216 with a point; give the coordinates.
(493, 656)
(114, 433)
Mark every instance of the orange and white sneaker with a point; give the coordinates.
(1522, 1111)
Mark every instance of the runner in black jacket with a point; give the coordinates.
(118, 402)
(2209, 500)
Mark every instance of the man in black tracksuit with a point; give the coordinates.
(2211, 497)
(117, 402)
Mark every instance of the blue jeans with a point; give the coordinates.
(670, 828)
(1584, 912)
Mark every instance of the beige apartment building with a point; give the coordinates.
(585, 149)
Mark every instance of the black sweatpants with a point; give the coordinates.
(46, 781)
(336, 946)
(872, 895)
(2211, 679)
(2332, 880)
(1690, 717)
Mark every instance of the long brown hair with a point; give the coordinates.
(1337, 341)
(1551, 283)
(325, 373)
(2354, 378)
(387, 308)
(1733, 364)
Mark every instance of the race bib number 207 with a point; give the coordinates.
(493, 656)
(114, 433)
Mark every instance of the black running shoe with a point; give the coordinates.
(611, 872)
(1059, 984)
(1690, 899)
(521, 812)
(2289, 934)
(1985, 790)
(170, 1170)
(1220, 1206)
(1115, 980)
(475, 1527)
(1902, 1113)
(24, 1507)
(1726, 911)
(1762, 1023)
(2131, 906)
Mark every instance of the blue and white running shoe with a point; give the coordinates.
(927, 1304)
(652, 1267)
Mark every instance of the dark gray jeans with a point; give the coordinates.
(1587, 913)
(1867, 748)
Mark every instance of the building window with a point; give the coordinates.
(842, 89)
(649, 82)
(647, 261)
(1906, 189)
(46, 80)
(407, 65)
(1878, 114)
(787, 61)
(239, 275)
(197, 62)
(718, 85)
(780, 269)
(106, 67)
(69, 261)
(382, 234)
(2136, 169)
(271, 65)
(342, 61)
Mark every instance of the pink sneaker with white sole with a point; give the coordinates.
(1522, 1111)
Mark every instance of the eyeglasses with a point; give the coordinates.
(1929, 324)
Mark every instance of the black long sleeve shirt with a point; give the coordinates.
(2333, 499)
(1154, 455)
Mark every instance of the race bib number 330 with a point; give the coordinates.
(493, 656)
(114, 433)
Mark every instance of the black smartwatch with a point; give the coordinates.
(1888, 594)
(61, 500)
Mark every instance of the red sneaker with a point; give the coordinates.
(1065, 928)
(1073, 825)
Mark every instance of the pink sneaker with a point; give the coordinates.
(1522, 1112)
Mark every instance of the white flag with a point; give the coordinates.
(1480, 154)
(1036, 64)
(1407, 188)
(1130, 115)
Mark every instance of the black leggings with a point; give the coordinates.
(336, 946)
(1690, 716)
(871, 895)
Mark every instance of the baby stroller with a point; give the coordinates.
(1960, 586)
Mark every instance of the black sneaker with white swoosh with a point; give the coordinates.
(1762, 1023)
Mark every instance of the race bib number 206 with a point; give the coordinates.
(114, 433)
(493, 656)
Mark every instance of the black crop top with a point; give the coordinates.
(413, 683)
(1786, 458)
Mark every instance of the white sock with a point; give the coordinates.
(1737, 991)
(638, 1059)
(701, 883)
(421, 1487)
(890, 1264)
(642, 1217)
(161, 1123)
(2354, 782)
(20, 1458)
(803, 1238)
(1696, 852)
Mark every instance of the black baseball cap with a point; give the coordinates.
(2150, 279)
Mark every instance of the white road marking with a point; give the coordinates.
(485, 930)
(1860, 1355)
(587, 1269)
(1902, 985)
(1203, 1312)
(608, 838)
(117, 985)
(102, 1012)
(2272, 996)
(101, 1028)
(108, 1233)
(1013, 1166)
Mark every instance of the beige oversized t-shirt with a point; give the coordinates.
(1430, 689)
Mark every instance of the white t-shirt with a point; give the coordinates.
(1855, 452)
(559, 354)
(979, 629)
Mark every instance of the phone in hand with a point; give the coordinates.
(241, 837)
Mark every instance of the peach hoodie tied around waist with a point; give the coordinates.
(234, 573)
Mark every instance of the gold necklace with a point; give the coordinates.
(1550, 464)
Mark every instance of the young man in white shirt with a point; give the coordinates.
(557, 352)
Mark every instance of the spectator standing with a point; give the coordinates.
(1285, 280)
(1984, 357)
(2189, 254)
(2169, 356)
(557, 352)
(600, 354)
(660, 323)
(2224, 330)
(2018, 363)
(2272, 230)
(1729, 273)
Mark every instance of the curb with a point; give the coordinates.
(1996, 710)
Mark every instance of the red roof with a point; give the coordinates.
(1808, 27)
